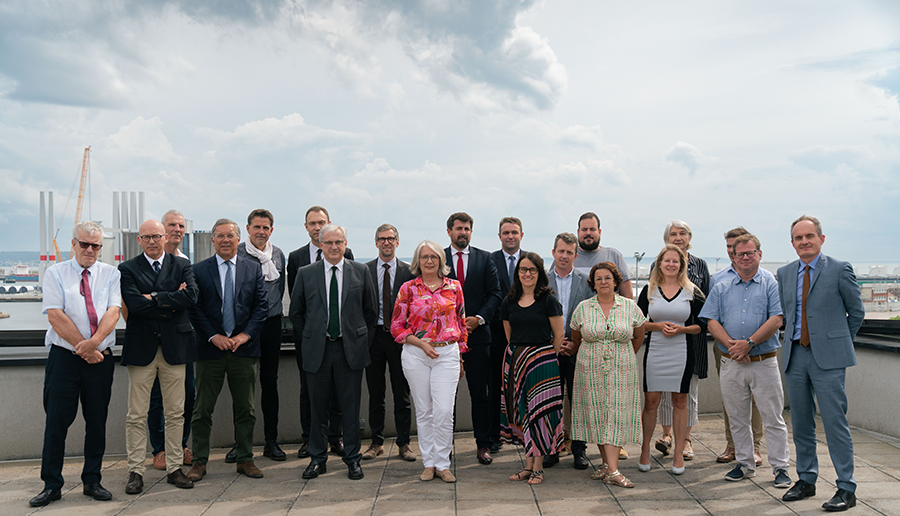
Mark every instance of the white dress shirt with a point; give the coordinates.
(380, 286)
(340, 283)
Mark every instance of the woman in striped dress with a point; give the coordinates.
(531, 400)
(608, 329)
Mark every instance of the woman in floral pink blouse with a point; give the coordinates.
(430, 321)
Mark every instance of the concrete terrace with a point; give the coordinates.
(391, 486)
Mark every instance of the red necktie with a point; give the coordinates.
(460, 270)
(88, 300)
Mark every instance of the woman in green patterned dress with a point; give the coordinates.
(606, 410)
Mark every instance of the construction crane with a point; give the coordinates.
(85, 162)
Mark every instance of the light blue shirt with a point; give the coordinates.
(223, 269)
(812, 273)
(564, 291)
(742, 307)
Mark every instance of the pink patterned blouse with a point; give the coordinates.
(433, 316)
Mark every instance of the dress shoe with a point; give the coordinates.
(445, 475)
(97, 492)
(581, 460)
(727, 456)
(354, 471)
(231, 456)
(249, 468)
(802, 489)
(197, 472)
(45, 497)
(159, 461)
(188, 457)
(406, 453)
(179, 480)
(757, 457)
(274, 452)
(373, 451)
(551, 460)
(337, 448)
(135, 483)
(495, 447)
(841, 501)
(427, 475)
(314, 470)
(303, 452)
(484, 456)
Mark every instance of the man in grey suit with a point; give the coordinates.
(571, 288)
(333, 311)
(389, 273)
(823, 311)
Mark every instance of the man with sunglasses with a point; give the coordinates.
(82, 301)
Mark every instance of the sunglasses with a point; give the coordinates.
(85, 245)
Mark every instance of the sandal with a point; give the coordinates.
(536, 478)
(688, 454)
(518, 476)
(664, 445)
(621, 482)
(600, 473)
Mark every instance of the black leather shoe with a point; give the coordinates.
(484, 456)
(179, 480)
(841, 501)
(97, 492)
(354, 471)
(303, 452)
(801, 490)
(337, 448)
(231, 456)
(581, 460)
(135, 483)
(495, 447)
(314, 470)
(551, 460)
(45, 497)
(274, 452)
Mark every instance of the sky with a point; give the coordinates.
(716, 113)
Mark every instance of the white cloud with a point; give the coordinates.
(143, 139)
(822, 158)
(688, 156)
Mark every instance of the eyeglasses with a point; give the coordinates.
(527, 270)
(429, 258)
(748, 254)
(333, 243)
(85, 245)
(147, 238)
(384, 240)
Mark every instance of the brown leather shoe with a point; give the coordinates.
(406, 453)
(484, 456)
(427, 475)
(159, 461)
(188, 457)
(445, 475)
(135, 483)
(757, 457)
(727, 455)
(197, 472)
(249, 468)
(178, 479)
(373, 451)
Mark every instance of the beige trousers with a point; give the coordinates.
(756, 421)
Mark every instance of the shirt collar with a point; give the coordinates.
(151, 260)
(392, 262)
(453, 250)
(220, 260)
(78, 268)
(514, 255)
(737, 277)
(555, 273)
(339, 265)
(812, 264)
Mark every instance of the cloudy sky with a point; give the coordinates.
(717, 113)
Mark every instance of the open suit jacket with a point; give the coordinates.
(481, 290)
(309, 314)
(834, 311)
(502, 266)
(580, 291)
(163, 322)
(300, 258)
(401, 276)
(251, 306)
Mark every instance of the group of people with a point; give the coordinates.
(520, 333)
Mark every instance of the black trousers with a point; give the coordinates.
(478, 377)
(331, 428)
(335, 381)
(567, 377)
(269, 358)
(385, 351)
(68, 379)
(156, 419)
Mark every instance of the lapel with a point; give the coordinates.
(304, 255)
(399, 277)
(820, 267)
(573, 291)
(239, 271)
(214, 272)
(791, 290)
(165, 268)
(449, 252)
(146, 269)
(345, 286)
(320, 266)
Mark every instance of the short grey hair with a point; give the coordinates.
(814, 220)
(386, 227)
(222, 222)
(331, 228)
(172, 212)
(677, 224)
(415, 267)
(88, 226)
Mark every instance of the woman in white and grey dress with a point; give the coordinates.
(671, 302)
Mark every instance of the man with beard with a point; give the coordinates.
(590, 253)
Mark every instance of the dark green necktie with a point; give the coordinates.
(334, 321)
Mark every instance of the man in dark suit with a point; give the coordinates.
(228, 317)
(476, 272)
(571, 287)
(505, 260)
(823, 311)
(333, 311)
(389, 273)
(316, 218)
(158, 289)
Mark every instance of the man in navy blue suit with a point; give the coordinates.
(232, 306)
(475, 270)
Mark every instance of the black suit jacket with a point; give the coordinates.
(300, 258)
(481, 290)
(499, 257)
(164, 322)
(401, 276)
(251, 306)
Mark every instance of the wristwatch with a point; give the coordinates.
(153, 296)
(750, 343)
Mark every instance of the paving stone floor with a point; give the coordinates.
(391, 486)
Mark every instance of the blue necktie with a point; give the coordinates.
(512, 269)
(228, 302)
(156, 267)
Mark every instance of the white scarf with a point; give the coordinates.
(269, 269)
